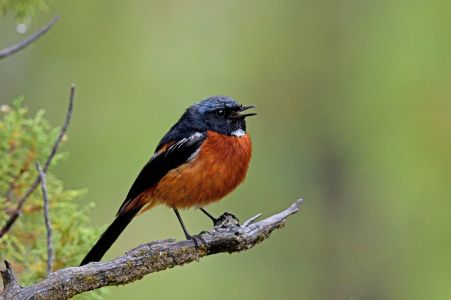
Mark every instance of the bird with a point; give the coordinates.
(203, 157)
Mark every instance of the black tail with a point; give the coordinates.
(109, 236)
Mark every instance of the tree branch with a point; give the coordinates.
(18, 210)
(10, 285)
(226, 236)
(22, 44)
(48, 224)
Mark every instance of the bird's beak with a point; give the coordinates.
(239, 113)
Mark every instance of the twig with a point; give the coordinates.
(152, 257)
(48, 225)
(24, 43)
(251, 220)
(18, 210)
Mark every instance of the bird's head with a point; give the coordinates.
(218, 113)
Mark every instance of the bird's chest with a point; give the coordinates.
(217, 168)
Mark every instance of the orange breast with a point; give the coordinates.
(219, 167)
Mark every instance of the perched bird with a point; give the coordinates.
(202, 158)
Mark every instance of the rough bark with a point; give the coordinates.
(227, 236)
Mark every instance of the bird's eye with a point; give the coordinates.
(220, 113)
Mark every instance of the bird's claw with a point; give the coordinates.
(196, 239)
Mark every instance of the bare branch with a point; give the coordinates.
(226, 236)
(10, 285)
(22, 44)
(63, 130)
(48, 224)
(18, 210)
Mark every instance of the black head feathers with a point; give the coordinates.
(221, 114)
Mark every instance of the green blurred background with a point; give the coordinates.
(354, 103)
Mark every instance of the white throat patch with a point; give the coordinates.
(239, 133)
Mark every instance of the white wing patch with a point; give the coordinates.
(196, 135)
(183, 141)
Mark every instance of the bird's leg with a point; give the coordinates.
(187, 235)
(209, 215)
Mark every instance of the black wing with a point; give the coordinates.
(162, 162)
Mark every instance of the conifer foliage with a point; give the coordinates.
(24, 141)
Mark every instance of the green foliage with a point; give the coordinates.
(25, 140)
(23, 10)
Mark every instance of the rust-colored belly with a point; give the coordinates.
(220, 166)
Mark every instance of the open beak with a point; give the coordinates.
(239, 114)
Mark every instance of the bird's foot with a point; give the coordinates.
(210, 216)
(227, 220)
(197, 240)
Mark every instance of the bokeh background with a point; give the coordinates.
(354, 103)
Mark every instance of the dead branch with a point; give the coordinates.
(18, 210)
(227, 236)
(48, 224)
(22, 44)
